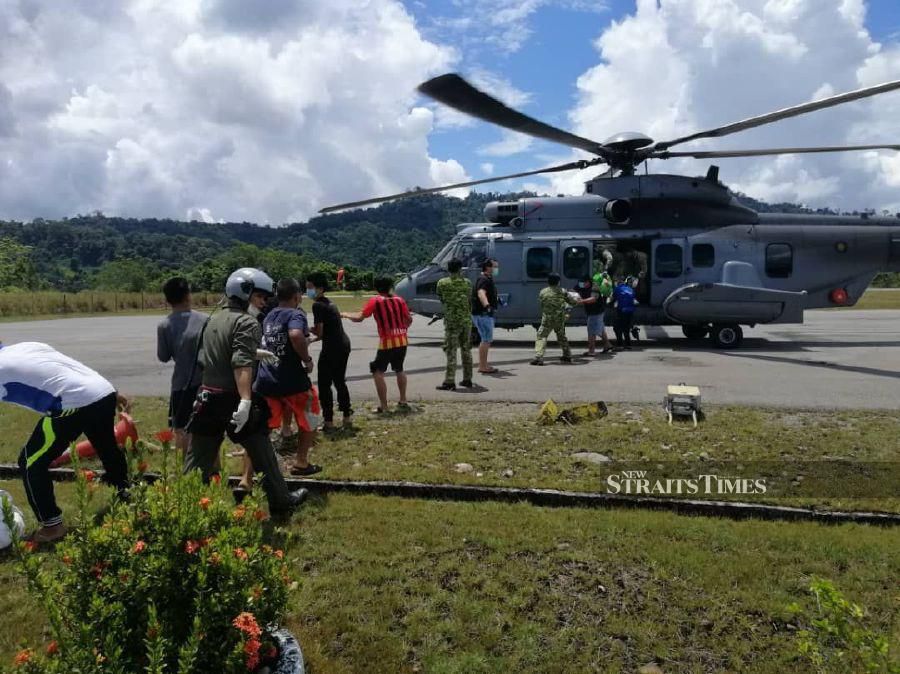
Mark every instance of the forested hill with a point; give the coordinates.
(134, 254)
(110, 253)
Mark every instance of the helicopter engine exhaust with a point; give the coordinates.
(617, 211)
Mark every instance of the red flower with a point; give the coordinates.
(142, 466)
(97, 570)
(22, 657)
(165, 436)
(204, 502)
(239, 512)
(251, 650)
(138, 547)
(246, 623)
(279, 554)
(67, 560)
(89, 475)
(260, 515)
(240, 554)
(30, 546)
(215, 479)
(52, 648)
(191, 547)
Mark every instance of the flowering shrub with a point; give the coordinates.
(176, 580)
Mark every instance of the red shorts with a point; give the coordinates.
(305, 407)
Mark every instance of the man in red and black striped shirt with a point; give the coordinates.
(393, 319)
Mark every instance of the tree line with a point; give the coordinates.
(96, 252)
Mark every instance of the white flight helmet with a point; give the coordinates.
(244, 281)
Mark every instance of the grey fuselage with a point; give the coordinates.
(703, 257)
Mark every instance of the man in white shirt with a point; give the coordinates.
(73, 399)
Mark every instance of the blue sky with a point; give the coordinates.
(558, 50)
(215, 110)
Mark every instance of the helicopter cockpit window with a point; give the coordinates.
(668, 260)
(446, 253)
(472, 253)
(779, 260)
(703, 255)
(576, 262)
(539, 262)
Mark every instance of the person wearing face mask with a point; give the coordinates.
(329, 329)
(226, 403)
(484, 304)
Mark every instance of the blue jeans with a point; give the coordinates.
(485, 327)
(595, 325)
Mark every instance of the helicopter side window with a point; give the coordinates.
(539, 262)
(668, 260)
(779, 260)
(472, 253)
(703, 255)
(576, 262)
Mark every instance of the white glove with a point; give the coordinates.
(241, 415)
(264, 356)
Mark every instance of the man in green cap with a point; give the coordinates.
(455, 292)
(553, 301)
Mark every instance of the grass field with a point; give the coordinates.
(506, 446)
(880, 299)
(390, 585)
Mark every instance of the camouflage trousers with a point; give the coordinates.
(551, 324)
(457, 337)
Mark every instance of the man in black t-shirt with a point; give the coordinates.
(484, 303)
(329, 329)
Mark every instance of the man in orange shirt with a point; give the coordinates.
(393, 320)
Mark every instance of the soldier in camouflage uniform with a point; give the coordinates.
(455, 293)
(553, 301)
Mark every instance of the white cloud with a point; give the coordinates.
(678, 66)
(211, 108)
(503, 25)
(510, 143)
(487, 168)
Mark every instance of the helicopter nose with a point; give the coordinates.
(405, 288)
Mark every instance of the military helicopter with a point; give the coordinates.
(703, 260)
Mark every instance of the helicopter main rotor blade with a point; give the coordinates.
(793, 111)
(770, 151)
(580, 164)
(454, 91)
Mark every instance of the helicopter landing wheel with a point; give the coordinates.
(695, 330)
(726, 336)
